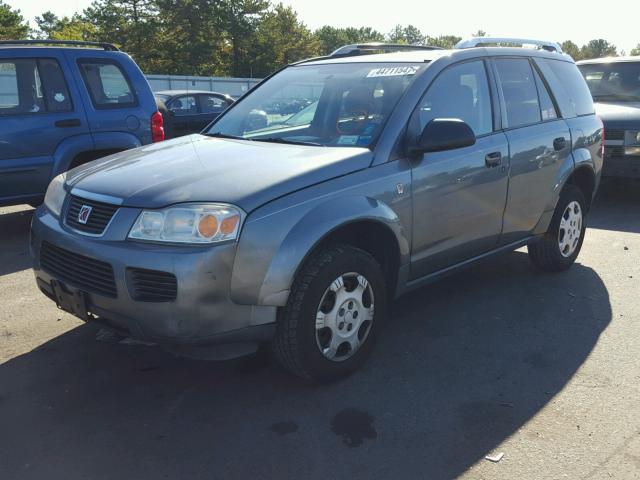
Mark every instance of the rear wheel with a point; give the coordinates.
(561, 244)
(333, 316)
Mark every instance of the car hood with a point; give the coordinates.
(197, 168)
(624, 115)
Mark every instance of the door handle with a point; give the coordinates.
(493, 159)
(69, 122)
(559, 143)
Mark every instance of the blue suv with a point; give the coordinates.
(62, 104)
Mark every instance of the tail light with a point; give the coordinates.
(603, 137)
(157, 127)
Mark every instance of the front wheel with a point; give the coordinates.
(561, 244)
(333, 316)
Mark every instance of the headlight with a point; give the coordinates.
(189, 223)
(632, 137)
(54, 198)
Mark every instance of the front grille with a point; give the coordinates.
(151, 285)
(79, 271)
(98, 219)
(614, 134)
(617, 151)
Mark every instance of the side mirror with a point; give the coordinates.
(442, 134)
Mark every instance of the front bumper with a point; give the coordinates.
(202, 313)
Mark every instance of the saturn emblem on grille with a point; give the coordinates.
(83, 214)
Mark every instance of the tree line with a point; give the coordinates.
(241, 38)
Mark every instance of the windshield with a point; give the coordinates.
(324, 105)
(162, 97)
(617, 81)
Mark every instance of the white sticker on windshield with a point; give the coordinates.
(348, 139)
(393, 71)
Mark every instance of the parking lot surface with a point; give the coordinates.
(497, 359)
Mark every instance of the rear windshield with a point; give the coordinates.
(328, 104)
(618, 81)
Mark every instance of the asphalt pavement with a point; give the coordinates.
(542, 368)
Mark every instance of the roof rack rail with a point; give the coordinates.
(365, 48)
(480, 41)
(77, 43)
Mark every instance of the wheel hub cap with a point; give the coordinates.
(570, 229)
(344, 316)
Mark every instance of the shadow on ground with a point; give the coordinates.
(460, 367)
(14, 241)
(617, 206)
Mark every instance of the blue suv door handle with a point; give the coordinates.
(69, 122)
(493, 159)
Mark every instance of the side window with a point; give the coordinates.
(212, 104)
(516, 80)
(20, 87)
(568, 86)
(460, 91)
(107, 84)
(184, 105)
(547, 107)
(56, 93)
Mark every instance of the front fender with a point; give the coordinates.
(272, 249)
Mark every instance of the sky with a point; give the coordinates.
(557, 20)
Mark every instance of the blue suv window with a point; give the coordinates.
(107, 83)
(32, 86)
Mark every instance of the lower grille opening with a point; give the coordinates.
(151, 285)
(82, 272)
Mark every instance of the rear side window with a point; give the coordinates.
(547, 108)
(518, 85)
(568, 86)
(32, 86)
(184, 105)
(212, 104)
(54, 86)
(107, 84)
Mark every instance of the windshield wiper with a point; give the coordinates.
(289, 142)
(224, 135)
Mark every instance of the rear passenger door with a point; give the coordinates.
(117, 97)
(539, 142)
(458, 195)
(39, 109)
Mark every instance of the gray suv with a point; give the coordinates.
(615, 87)
(404, 167)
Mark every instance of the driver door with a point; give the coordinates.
(458, 195)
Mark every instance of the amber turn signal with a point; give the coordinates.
(208, 226)
(229, 224)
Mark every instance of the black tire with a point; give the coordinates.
(295, 345)
(546, 253)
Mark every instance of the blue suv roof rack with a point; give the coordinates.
(70, 43)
